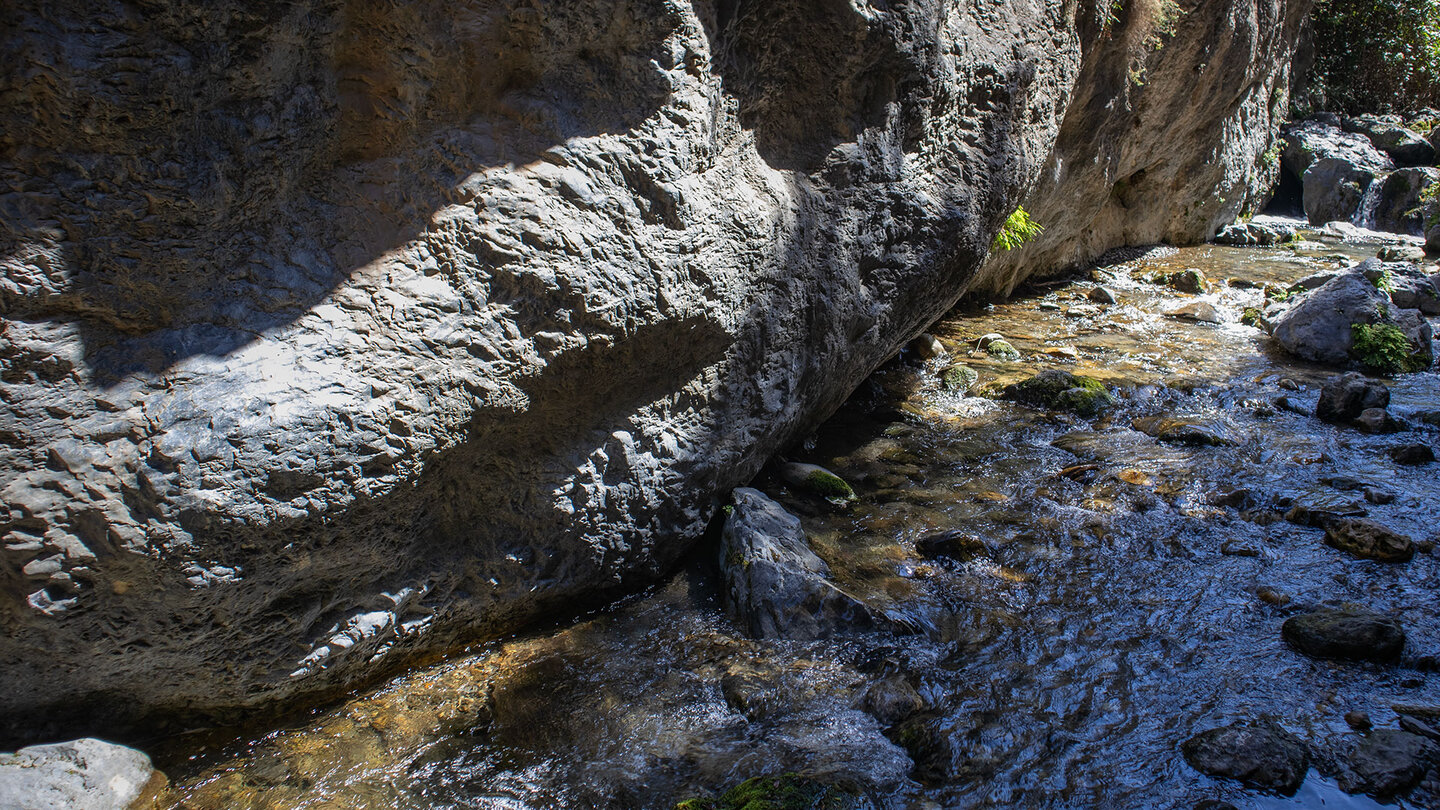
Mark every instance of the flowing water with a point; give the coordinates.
(1115, 610)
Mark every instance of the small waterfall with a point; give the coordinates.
(1364, 215)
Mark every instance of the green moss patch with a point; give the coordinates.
(1060, 390)
(788, 791)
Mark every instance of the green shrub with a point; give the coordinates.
(1371, 55)
(1384, 348)
(1019, 228)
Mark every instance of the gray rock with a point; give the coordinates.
(1406, 202)
(776, 587)
(927, 347)
(1401, 253)
(1346, 396)
(322, 305)
(1259, 754)
(86, 774)
(1413, 454)
(1406, 147)
(813, 479)
(1334, 189)
(1410, 288)
(1379, 420)
(892, 699)
(1386, 763)
(1319, 326)
(1101, 295)
(1311, 140)
(1255, 233)
(1351, 635)
(1181, 430)
(1197, 311)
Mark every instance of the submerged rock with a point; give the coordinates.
(1412, 455)
(776, 587)
(1386, 763)
(1351, 635)
(958, 378)
(1259, 754)
(85, 774)
(812, 479)
(954, 544)
(1368, 539)
(1344, 397)
(892, 699)
(1180, 430)
(1058, 389)
(788, 791)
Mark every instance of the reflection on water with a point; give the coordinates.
(1104, 616)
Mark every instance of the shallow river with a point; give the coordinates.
(1114, 612)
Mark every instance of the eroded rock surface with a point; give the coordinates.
(337, 334)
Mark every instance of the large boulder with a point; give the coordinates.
(1320, 327)
(1335, 188)
(338, 335)
(1407, 200)
(1405, 146)
(775, 586)
(1313, 139)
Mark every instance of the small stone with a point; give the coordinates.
(1270, 596)
(1061, 390)
(1360, 721)
(1351, 635)
(927, 347)
(1101, 295)
(891, 700)
(1411, 455)
(1379, 420)
(958, 378)
(1261, 755)
(1369, 540)
(983, 342)
(951, 543)
(1173, 430)
(1188, 281)
(1082, 311)
(1379, 497)
(1232, 549)
(1002, 350)
(1197, 311)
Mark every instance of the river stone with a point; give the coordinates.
(959, 378)
(1412, 455)
(374, 334)
(1368, 539)
(1189, 281)
(1379, 420)
(1259, 754)
(1180, 430)
(812, 479)
(1318, 328)
(1345, 396)
(1198, 311)
(927, 347)
(776, 587)
(1060, 390)
(86, 774)
(1387, 763)
(1101, 295)
(1353, 635)
(1401, 253)
(892, 699)
(1411, 288)
(952, 543)
(1255, 233)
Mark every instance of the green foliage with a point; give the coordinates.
(1385, 282)
(1019, 228)
(1371, 55)
(785, 792)
(1384, 348)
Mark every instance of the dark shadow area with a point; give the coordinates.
(1288, 199)
(185, 176)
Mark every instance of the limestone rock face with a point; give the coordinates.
(336, 334)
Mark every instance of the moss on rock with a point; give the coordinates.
(958, 378)
(1060, 390)
(1002, 350)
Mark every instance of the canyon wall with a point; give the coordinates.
(337, 334)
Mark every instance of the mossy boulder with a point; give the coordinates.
(788, 791)
(958, 378)
(1058, 389)
(1002, 350)
(815, 480)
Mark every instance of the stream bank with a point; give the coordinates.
(1123, 594)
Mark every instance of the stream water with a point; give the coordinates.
(1115, 611)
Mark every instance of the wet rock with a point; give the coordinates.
(1346, 396)
(952, 543)
(1416, 725)
(1214, 804)
(1320, 326)
(1379, 497)
(958, 378)
(1334, 188)
(1368, 539)
(776, 587)
(1351, 635)
(1401, 253)
(813, 479)
(1002, 350)
(1386, 763)
(1060, 390)
(891, 700)
(1197, 311)
(1102, 295)
(927, 347)
(788, 791)
(1190, 281)
(1379, 420)
(85, 774)
(1404, 205)
(925, 739)
(1260, 754)
(1181, 430)
(1360, 721)
(1255, 233)
(1230, 548)
(1412, 455)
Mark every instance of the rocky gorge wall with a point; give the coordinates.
(336, 334)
